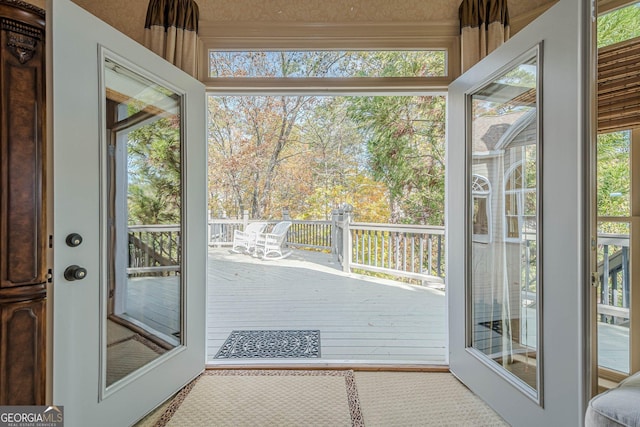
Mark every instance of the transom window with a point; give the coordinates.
(328, 63)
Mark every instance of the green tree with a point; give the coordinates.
(249, 139)
(405, 143)
(366, 196)
(335, 154)
(405, 140)
(311, 153)
(613, 174)
(154, 171)
(619, 25)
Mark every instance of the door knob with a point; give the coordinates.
(75, 272)
(74, 239)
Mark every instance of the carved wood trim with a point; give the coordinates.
(23, 293)
(23, 235)
(22, 39)
(24, 6)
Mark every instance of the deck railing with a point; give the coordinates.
(613, 269)
(220, 231)
(302, 234)
(310, 234)
(408, 251)
(154, 250)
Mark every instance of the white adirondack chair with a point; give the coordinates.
(269, 245)
(245, 241)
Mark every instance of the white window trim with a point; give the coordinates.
(246, 36)
(605, 6)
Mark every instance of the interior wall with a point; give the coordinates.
(128, 16)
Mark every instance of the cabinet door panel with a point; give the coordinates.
(22, 235)
(22, 353)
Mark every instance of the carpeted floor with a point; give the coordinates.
(323, 398)
(420, 399)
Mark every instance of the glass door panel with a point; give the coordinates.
(143, 126)
(614, 266)
(504, 269)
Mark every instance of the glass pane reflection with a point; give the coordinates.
(144, 192)
(503, 222)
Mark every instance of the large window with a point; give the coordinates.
(614, 260)
(307, 154)
(618, 204)
(353, 58)
(328, 63)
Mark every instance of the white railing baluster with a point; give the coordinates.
(352, 242)
(369, 237)
(376, 248)
(413, 255)
(421, 256)
(430, 249)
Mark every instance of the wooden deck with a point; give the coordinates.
(613, 347)
(360, 319)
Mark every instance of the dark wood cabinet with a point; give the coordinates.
(23, 233)
(22, 354)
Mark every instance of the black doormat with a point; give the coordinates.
(271, 344)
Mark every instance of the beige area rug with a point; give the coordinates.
(420, 399)
(274, 398)
(238, 398)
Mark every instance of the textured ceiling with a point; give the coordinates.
(128, 15)
(344, 10)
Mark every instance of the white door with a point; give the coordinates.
(128, 135)
(517, 222)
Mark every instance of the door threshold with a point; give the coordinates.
(355, 365)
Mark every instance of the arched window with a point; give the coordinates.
(481, 190)
(520, 197)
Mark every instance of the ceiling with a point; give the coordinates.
(344, 10)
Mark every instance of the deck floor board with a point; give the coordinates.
(359, 318)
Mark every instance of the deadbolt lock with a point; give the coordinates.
(73, 240)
